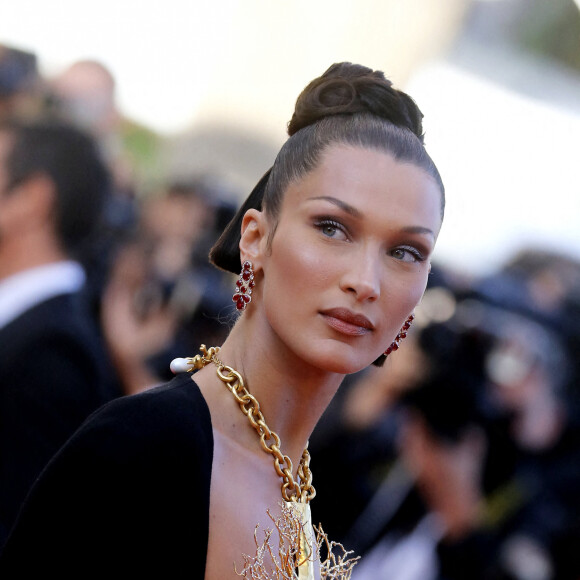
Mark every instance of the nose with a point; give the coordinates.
(362, 277)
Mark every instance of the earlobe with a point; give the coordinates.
(253, 237)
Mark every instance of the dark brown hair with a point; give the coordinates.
(71, 160)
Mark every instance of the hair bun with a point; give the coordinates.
(347, 88)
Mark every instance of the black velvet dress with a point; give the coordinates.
(127, 494)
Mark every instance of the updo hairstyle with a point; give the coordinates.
(351, 105)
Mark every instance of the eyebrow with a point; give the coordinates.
(346, 207)
(419, 230)
(341, 204)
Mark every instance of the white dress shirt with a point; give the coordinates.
(22, 291)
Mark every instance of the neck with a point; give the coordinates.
(292, 395)
(18, 255)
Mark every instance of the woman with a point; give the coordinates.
(333, 246)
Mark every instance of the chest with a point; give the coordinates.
(247, 514)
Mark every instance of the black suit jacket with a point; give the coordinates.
(54, 371)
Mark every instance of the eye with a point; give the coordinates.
(331, 229)
(407, 254)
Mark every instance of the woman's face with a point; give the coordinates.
(349, 259)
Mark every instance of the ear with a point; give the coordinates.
(254, 237)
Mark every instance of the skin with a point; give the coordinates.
(27, 232)
(356, 234)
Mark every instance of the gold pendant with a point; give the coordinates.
(306, 553)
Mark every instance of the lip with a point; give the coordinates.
(347, 322)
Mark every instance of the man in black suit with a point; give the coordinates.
(54, 370)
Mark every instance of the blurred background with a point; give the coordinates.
(461, 457)
(498, 81)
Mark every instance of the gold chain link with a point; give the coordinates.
(291, 490)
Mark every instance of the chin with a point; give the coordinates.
(344, 361)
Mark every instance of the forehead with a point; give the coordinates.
(374, 183)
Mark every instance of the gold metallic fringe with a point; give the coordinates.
(287, 561)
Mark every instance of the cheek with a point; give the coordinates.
(400, 297)
(415, 290)
(297, 268)
(407, 284)
(296, 275)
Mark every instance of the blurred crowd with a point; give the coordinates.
(153, 232)
(458, 459)
(104, 275)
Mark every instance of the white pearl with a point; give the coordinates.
(179, 365)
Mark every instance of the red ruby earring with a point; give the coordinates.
(402, 334)
(244, 285)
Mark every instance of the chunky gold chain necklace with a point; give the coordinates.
(292, 491)
(296, 559)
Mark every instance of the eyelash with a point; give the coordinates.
(417, 255)
(324, 222)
